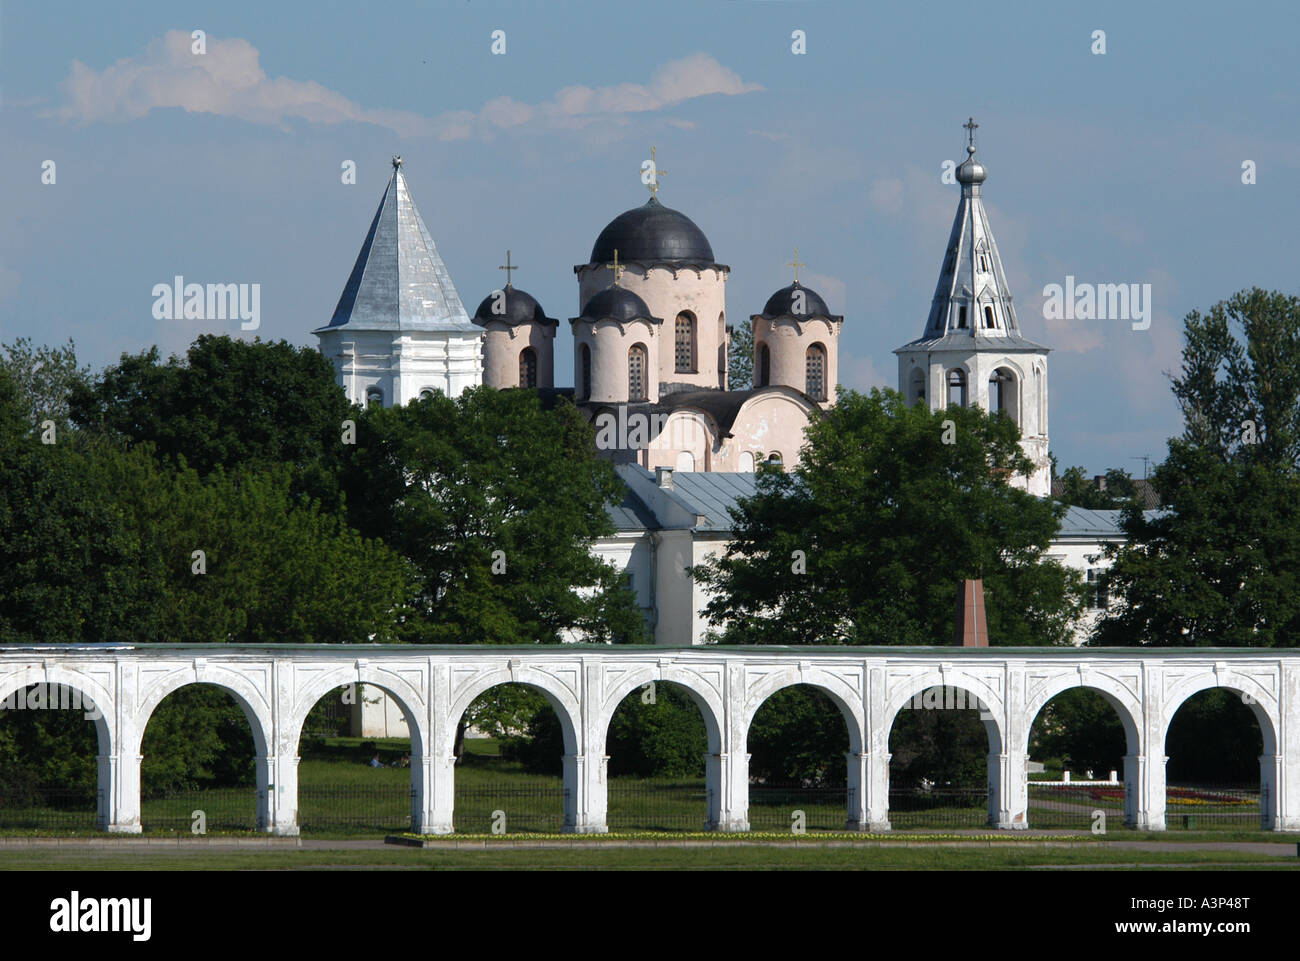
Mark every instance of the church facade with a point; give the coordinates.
(649, 350)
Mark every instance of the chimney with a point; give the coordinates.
(1100, 482)
(664, 477)
(971, 629)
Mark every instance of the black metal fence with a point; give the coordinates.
(634, 805)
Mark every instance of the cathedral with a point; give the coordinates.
(651, 339)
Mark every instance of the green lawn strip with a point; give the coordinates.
(663, 858)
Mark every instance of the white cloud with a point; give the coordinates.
(860, 373)
(228, 80)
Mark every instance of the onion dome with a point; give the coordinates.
(784, 301)
(616, 303)
(512, 306)
(651, 233)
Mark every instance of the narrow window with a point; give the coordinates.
(984, 264)
(1098, 589)
(584, 388)
(528, 367)
(815, 372)
(988, 315)
(374, 397)
(961, 316)
(636, 387)
(685, 344)
(957, 388)
(426, 394)
(764, 365)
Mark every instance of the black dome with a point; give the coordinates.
(617, 303)
(649, 233)
(520, 308)
(781, 303)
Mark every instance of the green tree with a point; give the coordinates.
(740, 357)
(1219, 564)
(44, 378)
(798, 734)
(866, 541)
(227, 404)
(1080, 491)
(495, 503)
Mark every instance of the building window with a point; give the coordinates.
(1003, 394)
(957, 388)
(584, 387)
(636, 386)
(1098, 589)
(988, 315)
(984, 264)
(426, 394)
(746, 462)
(374, 397)
(685, 462)
(961, 316)
(917, 386)
(528, 367)
(815, 372)
(764, 366)
(774, 459)
(685, 344)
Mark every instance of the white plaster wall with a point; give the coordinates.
(403, 363)
(609, 342)
(767, 423)
(788, 341)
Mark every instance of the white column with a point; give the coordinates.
(1287, 805)
(877, 791)
(727, 775)
(858, 780)
(278, 798)
(584, 808)
(1144, 792)
(433, 794)
(119, 793)
(1008, 790)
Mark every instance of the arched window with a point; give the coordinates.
(636, 385)
(374, 397)
(584, 386)
(746, 462)
(988, 315)
(957, 388)
(1003, 390)
(426, 394)
(764, 366)
(685, 343)
(528, 367)
(685, 461)
(774, 459)
(815, 372)
(916, 389)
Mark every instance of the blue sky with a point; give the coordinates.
(1115, 168)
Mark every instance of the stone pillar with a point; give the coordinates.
(119, 793)
(1009, 790)
(858, 778)
(277, 794)
(584, 808)
(1144, 792)
(727, 776)
(877, 791)
(1287, 805)
(433, 794)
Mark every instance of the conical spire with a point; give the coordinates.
(972, 298)
(399, 281)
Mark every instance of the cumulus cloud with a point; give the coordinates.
(228, 80)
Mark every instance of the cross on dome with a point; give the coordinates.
(795, 264)
(656, 173)
(507, 267)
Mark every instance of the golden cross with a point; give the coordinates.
(653, 185)
(616, 268)
(796, 265)
(507, 268)
(970, 126)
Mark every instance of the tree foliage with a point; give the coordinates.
(890, 507)
(495, 502)
(1080, 491)
(740, 357)
(1220, 563)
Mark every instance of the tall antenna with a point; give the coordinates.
(1146, 462)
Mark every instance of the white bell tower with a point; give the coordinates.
(971, 351)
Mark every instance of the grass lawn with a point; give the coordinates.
(341, 796)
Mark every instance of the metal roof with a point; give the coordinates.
(399, 281)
